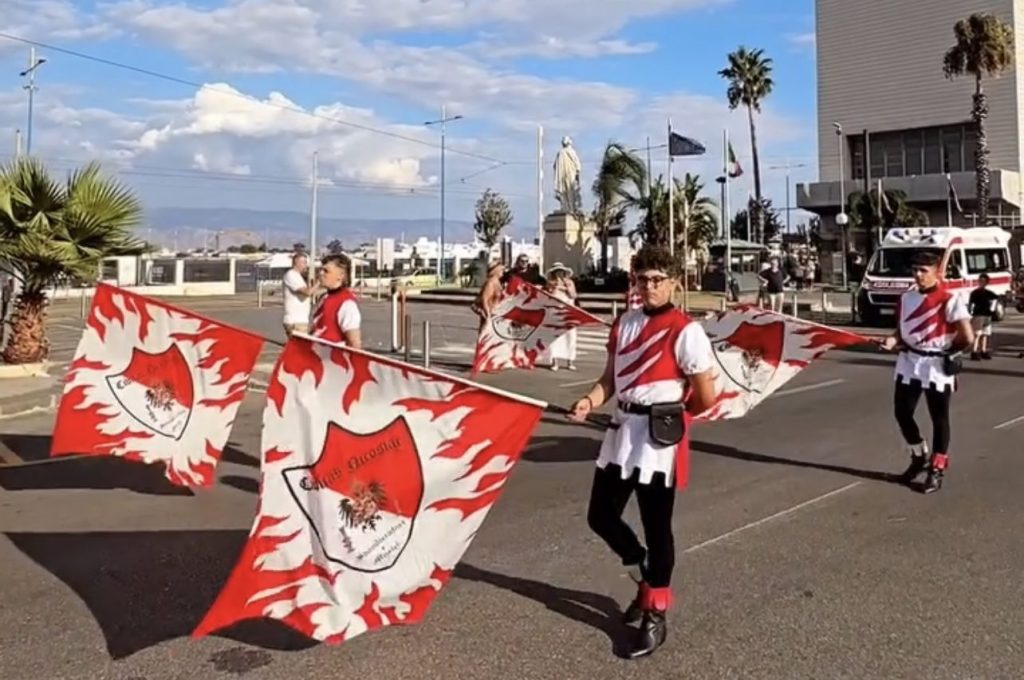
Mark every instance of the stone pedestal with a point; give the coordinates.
(571, 242)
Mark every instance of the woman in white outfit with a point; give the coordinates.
(561, 286)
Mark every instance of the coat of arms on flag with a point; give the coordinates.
(760, 351)
(153, 383)
(376, 475)
(525, 322)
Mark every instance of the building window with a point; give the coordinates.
(921, 151)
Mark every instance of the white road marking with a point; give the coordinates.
(808, 388)
(769, 518)
(1009, 423)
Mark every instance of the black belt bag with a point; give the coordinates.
(665, 422)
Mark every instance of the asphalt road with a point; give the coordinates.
(796, 556)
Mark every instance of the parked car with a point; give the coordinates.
(419, 278)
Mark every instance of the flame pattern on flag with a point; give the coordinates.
(154, 384)
(760, 351)
(376, 476)
(523, 325)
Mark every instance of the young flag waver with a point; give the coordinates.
(759, 351)
(376, 476)
(155, 384)
(523, 325)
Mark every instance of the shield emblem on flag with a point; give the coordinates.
(362, 495)
(156, 390)
(751, 354)
(517, 324)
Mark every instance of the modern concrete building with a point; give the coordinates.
(885, 106)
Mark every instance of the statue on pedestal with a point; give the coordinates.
(567, 179)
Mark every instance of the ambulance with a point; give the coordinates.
(965, 255)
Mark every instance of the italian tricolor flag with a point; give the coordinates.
(735, 170)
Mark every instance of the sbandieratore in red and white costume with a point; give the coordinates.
(932, 323)
(653, 353)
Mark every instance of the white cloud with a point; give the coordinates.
(802, 40)
(550, 47)
(49, 20)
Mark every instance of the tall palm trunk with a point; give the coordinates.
(758, 216)
(28, 343)
(979, 112)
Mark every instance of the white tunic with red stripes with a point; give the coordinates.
(653, 354)
(927, 323)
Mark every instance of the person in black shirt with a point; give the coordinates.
(774, 280)
(523, 270)
(982, 305)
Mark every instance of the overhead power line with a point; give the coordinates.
(241, 95)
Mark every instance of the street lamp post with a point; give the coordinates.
(842, 219)
(34, 62)
(787, 167)
(442, 121)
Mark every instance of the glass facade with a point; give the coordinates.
(921, 151)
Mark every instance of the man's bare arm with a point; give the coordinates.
(702, 392)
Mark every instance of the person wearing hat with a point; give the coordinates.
(933, 327)
(559, 284)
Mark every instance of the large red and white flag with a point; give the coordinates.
(523, 325)
(759, 351)
(376, 476)
(155, 384)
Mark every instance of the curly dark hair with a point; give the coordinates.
(339, 259)
(657, 258)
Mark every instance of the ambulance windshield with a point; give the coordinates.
(895, 262)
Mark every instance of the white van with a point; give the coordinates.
(965, 254)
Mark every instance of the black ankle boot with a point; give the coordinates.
(918, 464)
(937, 470)
(651, 635)
(635, 611)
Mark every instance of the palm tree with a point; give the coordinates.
(750, 80)
(984, 47)
(692, 208)
(620, 185)
(866, 211)
(51, 233)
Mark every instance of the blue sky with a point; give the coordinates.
(596, 70)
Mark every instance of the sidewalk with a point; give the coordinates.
(19, 396)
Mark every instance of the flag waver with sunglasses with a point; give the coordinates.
(525, 322)
(155, 384)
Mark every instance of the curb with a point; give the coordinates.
(37, 401)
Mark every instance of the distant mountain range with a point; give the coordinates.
(189, 226)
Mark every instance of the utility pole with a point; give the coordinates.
(540, 197)
(787, 167)
(313, 215)
(443, 121)
(34, 63)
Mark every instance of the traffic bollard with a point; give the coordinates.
(426, 344)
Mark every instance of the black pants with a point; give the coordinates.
(608, 499)
(905, 404)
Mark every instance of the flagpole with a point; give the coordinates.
(949, 200)
(726, 214)
(671, 196)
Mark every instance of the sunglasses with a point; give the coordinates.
(655, 280)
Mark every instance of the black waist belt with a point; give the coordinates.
(642, 409)
(925, 353)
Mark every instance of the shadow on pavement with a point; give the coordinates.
(246, 484)
(736, 454)
(230, 454)
(90, 472)
(563, 449)
(146, 587)
(597, 611)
